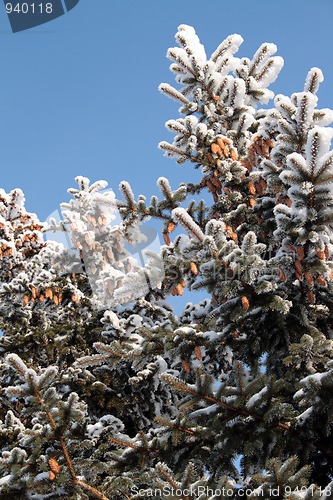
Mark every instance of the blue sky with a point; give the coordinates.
(78, 96)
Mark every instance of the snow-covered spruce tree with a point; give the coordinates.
(107, 395)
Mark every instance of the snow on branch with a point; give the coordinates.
(180, 215)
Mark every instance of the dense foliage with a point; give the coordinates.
(106, 392)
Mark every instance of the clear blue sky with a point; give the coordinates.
(79, 95)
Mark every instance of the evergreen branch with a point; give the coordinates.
(123, 493)
(164, 186)
(146, 213)
(128, 194)
(115, 350)
(173, 149)
(18, 364)
(323, 180)
(169, 479)
(186, 407)
(314, 153)
(88, 360)
(326, 164)
(240, 383)
(123, 443)
(76, 481)
(173, 93)
(313, 80)
(173, 55)
(181, 215)
(173, 426)
(230, 42)
(183, 387)
(264, 70)
(96, 493)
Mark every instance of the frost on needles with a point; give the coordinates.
(106, 392)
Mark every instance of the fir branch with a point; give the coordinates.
(173, 426)
(173, 93)
(168, 478)
(231, 42)
(313, 80)
(181, 216)
(183, 387)
(18, 364)
(90, 489)
(123, 443)
(173, 149)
